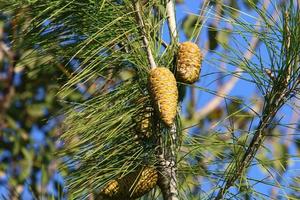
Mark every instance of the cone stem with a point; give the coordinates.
(144, 35)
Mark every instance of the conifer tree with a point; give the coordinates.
(128, 138)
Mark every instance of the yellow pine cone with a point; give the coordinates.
(164, 93)
(143, 123)
(131, 186)
(189, 59)
(111, 189)
(146, 182)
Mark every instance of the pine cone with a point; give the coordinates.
(189, 61)
(164, 93)
(143, 123)
(146, 182)
(111, 189)
(131, 186)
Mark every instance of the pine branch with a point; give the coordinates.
(171, 17)
(283, 87)
(270, 111)
(140, 21)
(168, 167)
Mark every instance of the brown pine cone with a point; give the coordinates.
(143, 122)
(189, 59)
(164, 93)
(111, 189)
(131, 186)
(146, 182)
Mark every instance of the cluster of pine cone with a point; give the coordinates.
(162, 82)
(164, 93)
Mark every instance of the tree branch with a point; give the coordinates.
(171, 17)
(168, 167)
(144, 35)
(274, 100)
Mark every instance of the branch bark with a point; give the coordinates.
(171, 17)
(168, 167)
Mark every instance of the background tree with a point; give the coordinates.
(92, 60)
(29, 111)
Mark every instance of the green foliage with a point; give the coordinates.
(99, 132)
(190, 23)
(212, 34)
(102, 144)
(27, 107)
(250, 3)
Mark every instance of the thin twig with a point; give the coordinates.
(215, 22)
(287, 44)
(165, 45)
(171, 17)
(144, 35)
(219, 6)
(203, 7)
